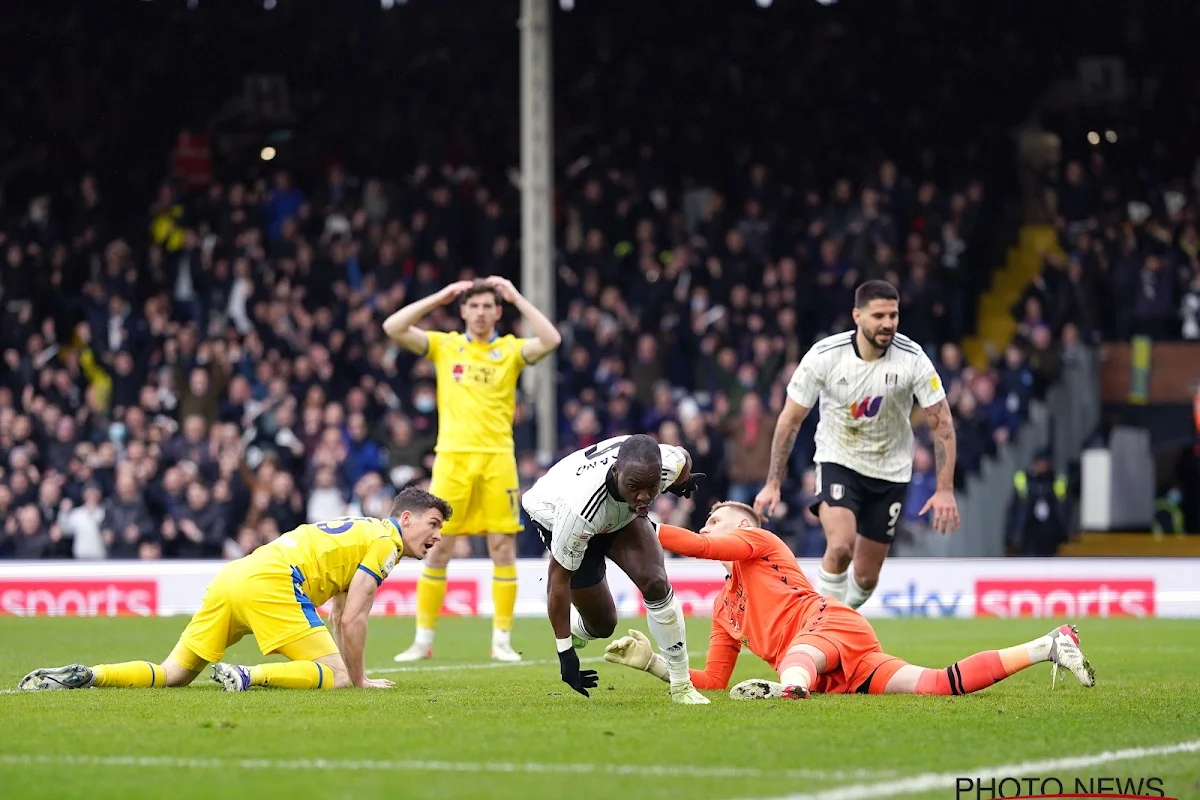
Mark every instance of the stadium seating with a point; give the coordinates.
(206, 366)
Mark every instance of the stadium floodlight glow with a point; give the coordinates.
(1111, 136)
(827, 2)
(1093, 137)
(268, 153)
(269, 5)
(763, 3)
(566, 5)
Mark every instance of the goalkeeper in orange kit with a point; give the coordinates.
(814, 643)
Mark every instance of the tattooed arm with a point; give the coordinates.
(786, 429)
(945, 446)
(945, 453)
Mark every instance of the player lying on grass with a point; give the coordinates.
(815, 643)
(274, 593)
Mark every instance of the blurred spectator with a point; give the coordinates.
(920, 489)
(206, 353)
(83, 525)
(748, 436)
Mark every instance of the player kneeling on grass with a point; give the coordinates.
(274, 593)
(815, 643)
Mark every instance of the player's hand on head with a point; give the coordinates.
(767, 499)
(504, 286)
(573, 676)
(945, 511)
(453, 291)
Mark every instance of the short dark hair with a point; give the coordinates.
(639, 449)
(874, 290)
(478, 288)
(414, 499)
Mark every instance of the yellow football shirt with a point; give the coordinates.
(324, 556)
(476, 391)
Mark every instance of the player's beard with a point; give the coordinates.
(874, 339)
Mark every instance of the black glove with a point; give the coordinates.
(686, 488)
(577, 679)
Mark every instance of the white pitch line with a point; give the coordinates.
(323, 764)
(933, 781)
(542, 662)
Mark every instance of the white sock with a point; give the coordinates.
(1039, 648)
(501, 638)
(577, 626)
(795, 676)
(832, 585)
(424, 637)
(855, 594)
(665, 620)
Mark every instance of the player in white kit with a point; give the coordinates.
(866, 380)
(592, 505)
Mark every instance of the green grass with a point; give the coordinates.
(477, 720)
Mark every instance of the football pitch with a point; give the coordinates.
(461, 726)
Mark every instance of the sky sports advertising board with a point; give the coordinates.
(1072, 588)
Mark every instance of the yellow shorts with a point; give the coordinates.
(483, 490)
(247, 597)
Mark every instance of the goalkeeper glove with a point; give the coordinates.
(686, 488)
(635, 651)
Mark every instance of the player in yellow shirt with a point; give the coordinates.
(274, 593)
(475, 468)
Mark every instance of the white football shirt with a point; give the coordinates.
(866, 405)
(572, 499)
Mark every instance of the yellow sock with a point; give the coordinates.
(504, 596)
(431, 591)
(130, 675)
(292, 675)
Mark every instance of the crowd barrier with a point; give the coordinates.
(1062, 587)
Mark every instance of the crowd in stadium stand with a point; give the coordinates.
(1132, 258)
(231, 380)
(199, 379)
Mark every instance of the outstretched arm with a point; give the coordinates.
(636, 651)
(546, 337)
(739, 545)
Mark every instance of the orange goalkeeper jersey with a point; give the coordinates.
(766, 598)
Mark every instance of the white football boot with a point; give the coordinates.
(686, 694)
(759, 689)
(415, 652)
(231, 677)
(503, 651)
(1065, 654)
(74, 676)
